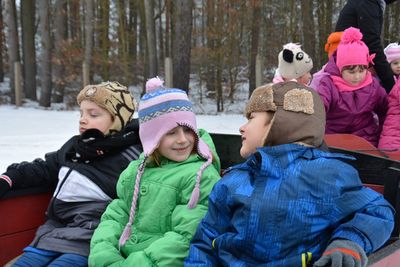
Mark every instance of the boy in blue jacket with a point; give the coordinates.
(290, 203)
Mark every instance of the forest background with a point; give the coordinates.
(60, 45)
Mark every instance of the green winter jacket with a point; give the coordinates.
(163, 225)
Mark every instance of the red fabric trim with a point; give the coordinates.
(7, 179)
(345, 251)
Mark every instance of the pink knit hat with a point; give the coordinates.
(161, 110)
(352, 51)
(392, 52)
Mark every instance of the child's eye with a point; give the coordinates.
(186, 129)
(171, 132)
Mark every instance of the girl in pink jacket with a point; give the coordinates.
(390, 136)
(355, 102)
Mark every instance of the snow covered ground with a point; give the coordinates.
(27, 133)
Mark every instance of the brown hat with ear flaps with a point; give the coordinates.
(299, 114)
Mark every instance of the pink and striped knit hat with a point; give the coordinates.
(352, 50)
(392, 52)
(161, 110)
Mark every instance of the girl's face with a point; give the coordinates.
(305, 79)
(254, 132)
(177, 144)
(354, 76)
(94, 117)
(395, 65)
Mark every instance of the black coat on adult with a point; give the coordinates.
(84, 172)
(367, 15)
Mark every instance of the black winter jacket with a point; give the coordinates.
(86, 169)
(367, 15)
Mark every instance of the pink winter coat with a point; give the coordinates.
(390, 136)
(353, 112)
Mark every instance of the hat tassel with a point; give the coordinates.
(195, 197)
(125, 235)
(196, 191)
(127, 230)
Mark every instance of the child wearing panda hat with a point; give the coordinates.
(293, 65)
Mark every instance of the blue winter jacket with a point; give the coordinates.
(283, 206)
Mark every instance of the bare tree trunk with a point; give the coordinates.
(123, 40)
(74, 25)
(385, 31)
(28, 48)
(160, 32)
(219, 55)
(211, 40)
(12, 41)
(104, 42)
(308, 27)
(133, 38)
(1, 45)
(45, 55)
(255, 32)
(143, 41)
(89, 22)
(151, 38)
(396, 20)
(292, 29)
(168, 12)
(325, 28)
(60, 36)
(182, 33)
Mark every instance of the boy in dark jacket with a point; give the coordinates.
(290, 203)
(86, 169)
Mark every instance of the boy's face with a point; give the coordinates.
(395, 65)
(254, 132)
(177, 144)
(94, 117)
(305, 79)
(354, 76)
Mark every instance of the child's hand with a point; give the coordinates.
(343, 253)
(4, 185)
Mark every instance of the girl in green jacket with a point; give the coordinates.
(163, 195)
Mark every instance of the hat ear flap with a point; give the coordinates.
(288, 55)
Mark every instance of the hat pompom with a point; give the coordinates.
(351, 35)
(153, 84)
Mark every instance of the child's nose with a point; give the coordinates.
(181, 136)
(241, 129)
(82, 119)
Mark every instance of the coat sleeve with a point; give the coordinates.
(217, 220)
(362, 215)
(324, 89)
(39, 172)
(390, 135)
(381, 106)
